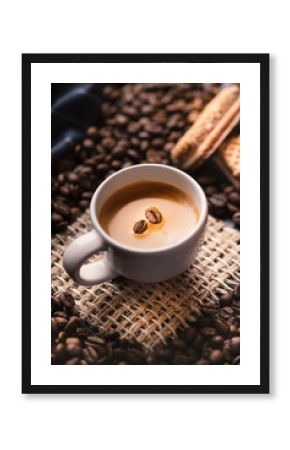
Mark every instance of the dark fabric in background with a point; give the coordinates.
(73, 108)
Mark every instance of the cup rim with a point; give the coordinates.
(201, 223)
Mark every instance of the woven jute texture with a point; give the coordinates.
(150, 313)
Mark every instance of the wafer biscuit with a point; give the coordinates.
(228, 159)
(211, 128)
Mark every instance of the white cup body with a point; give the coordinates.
(150, 265)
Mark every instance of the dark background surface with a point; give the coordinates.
(73, 108)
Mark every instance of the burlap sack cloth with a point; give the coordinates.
(150, 313)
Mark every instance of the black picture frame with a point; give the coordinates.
(263, 60)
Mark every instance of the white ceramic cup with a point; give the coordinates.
(143, 265)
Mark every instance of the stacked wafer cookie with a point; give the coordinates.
(228, 159)
(207, 136)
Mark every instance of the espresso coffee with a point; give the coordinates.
(149, 215)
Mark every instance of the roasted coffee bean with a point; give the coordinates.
(228, 189)
(153, 215)
(96, 340)
(87, 357)
(236, 302)
(232, 208)
(61, 177)
(208, 331)
(209, 307)
(73, 350)
(60, 314)
(225, 300)
(84, 204)
(116, 165)
(60, 352)
(226, 351)
(92, 353)
(86, 195)
(88, 143)
(235, 345)
(54, 326)
(118, 152)
(108, 143)
(62, 209)
(217, 203)
(234, 198)
(64, 190)
(216, 357)
(102, 167)
(202, 362)
(99, 157)
(72, 177)
(60, 322)
(72, 324)
(153, 157)
(56, 218)
(120, 119)
(135, 142)
(73, 361)
(133, 154)
(92, 132)
(75, 212)
(226, 312)
(133, 127)
(140, 227)
(73, 340)
(217, 341)
(234, 330)
(236, 218)
(61, 336)
(236, 291)
(67, 300)
(210, 190)
(82, 332)
(221, 326)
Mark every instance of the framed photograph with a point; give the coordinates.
(145, 223)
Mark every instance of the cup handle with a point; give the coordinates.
(79, 251)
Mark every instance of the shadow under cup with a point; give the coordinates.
(156, 264)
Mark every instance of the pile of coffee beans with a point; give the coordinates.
(223, 198)
(74, 342)
(140, 124)
(212, 337)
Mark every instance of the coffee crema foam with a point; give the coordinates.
(123, 209)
